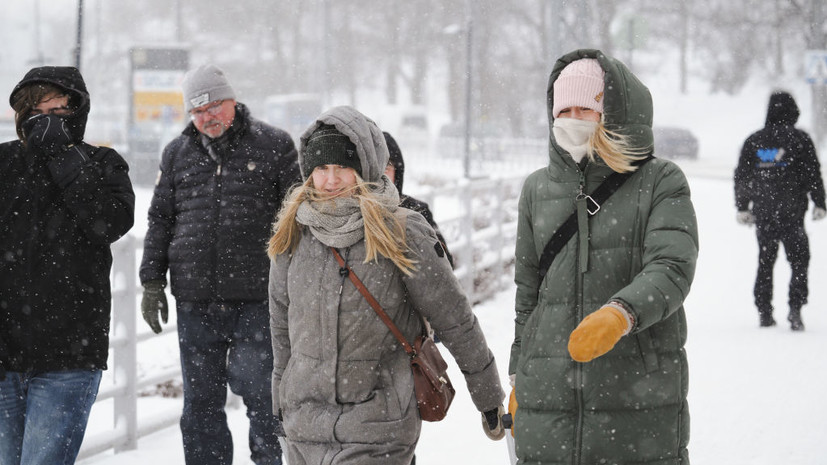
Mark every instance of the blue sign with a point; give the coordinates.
(815, 63)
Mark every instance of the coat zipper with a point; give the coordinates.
(217, 219)
(31, 242)
(344, 272)
(578, 369)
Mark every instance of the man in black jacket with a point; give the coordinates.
(778, 168)
(395, 171)
(220, 185)
(63, 202)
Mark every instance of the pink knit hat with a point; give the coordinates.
(580, 84)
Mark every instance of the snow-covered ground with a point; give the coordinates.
(756, 396)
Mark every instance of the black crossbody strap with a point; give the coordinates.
(567, 229)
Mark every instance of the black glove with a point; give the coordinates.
(47, 133)
(154, 301)
(492, 423)
(65, 167)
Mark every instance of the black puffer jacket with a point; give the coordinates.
(209, 220)
(778, 168)
(54, 243)
(406, 201)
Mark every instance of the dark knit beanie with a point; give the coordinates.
(328, 146)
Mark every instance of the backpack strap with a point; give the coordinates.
(593, 203)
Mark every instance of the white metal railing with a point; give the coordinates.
(480, 235)
(122, 384)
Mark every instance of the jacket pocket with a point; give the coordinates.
(647, 350)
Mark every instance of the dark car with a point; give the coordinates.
(488, 142)
(675, 143)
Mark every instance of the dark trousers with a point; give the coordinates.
(797, 249)
(226, 343)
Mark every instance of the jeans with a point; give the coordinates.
(797, 249)
(43, 416)
(225, 343)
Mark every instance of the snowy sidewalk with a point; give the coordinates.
(756, 396)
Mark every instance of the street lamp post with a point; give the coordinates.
(80, 34)
(469, 63)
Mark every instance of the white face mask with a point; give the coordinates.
(573, 135)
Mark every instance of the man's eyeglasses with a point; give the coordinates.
(211, 110)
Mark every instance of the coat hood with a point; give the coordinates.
(627, 103)
(397, 161)
(362, 131)
(69, 79)
(782, 109)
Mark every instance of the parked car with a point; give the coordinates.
(675, 143)
(487, 141)
(412, 132)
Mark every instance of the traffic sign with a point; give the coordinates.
(815, 62)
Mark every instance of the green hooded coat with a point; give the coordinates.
(629, 405)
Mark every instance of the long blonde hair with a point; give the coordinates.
(384, 233)
(615, 149)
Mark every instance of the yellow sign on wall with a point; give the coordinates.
(157, 96)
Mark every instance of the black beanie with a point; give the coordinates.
(327, 146)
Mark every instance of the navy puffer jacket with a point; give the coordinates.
(209, 220)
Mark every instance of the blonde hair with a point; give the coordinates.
(615, 149)
(384, 233)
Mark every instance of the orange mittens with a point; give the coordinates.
(598, 333)
(512, 408)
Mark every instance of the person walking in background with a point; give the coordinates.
(395, 171)
(778, 167)
(63, 202)
(341, 380)
(220, 185)
(598, 361)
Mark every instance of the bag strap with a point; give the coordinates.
(345, 270)
(567, 229)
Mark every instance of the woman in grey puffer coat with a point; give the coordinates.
(341, 380)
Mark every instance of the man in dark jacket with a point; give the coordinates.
(63, 202)
(777, 169)
(220, 185)
(395, 171)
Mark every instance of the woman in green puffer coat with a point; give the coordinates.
(598, 362)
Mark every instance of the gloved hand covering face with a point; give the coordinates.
(47, 133)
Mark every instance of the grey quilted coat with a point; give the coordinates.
(629, 405)
(342, 381)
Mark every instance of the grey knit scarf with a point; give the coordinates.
(338, 222)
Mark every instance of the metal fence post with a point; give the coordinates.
(125, 358)
(467, 232)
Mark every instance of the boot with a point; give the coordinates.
(765, 318)
(795, 319)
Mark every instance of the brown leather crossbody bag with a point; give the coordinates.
(434, 391)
